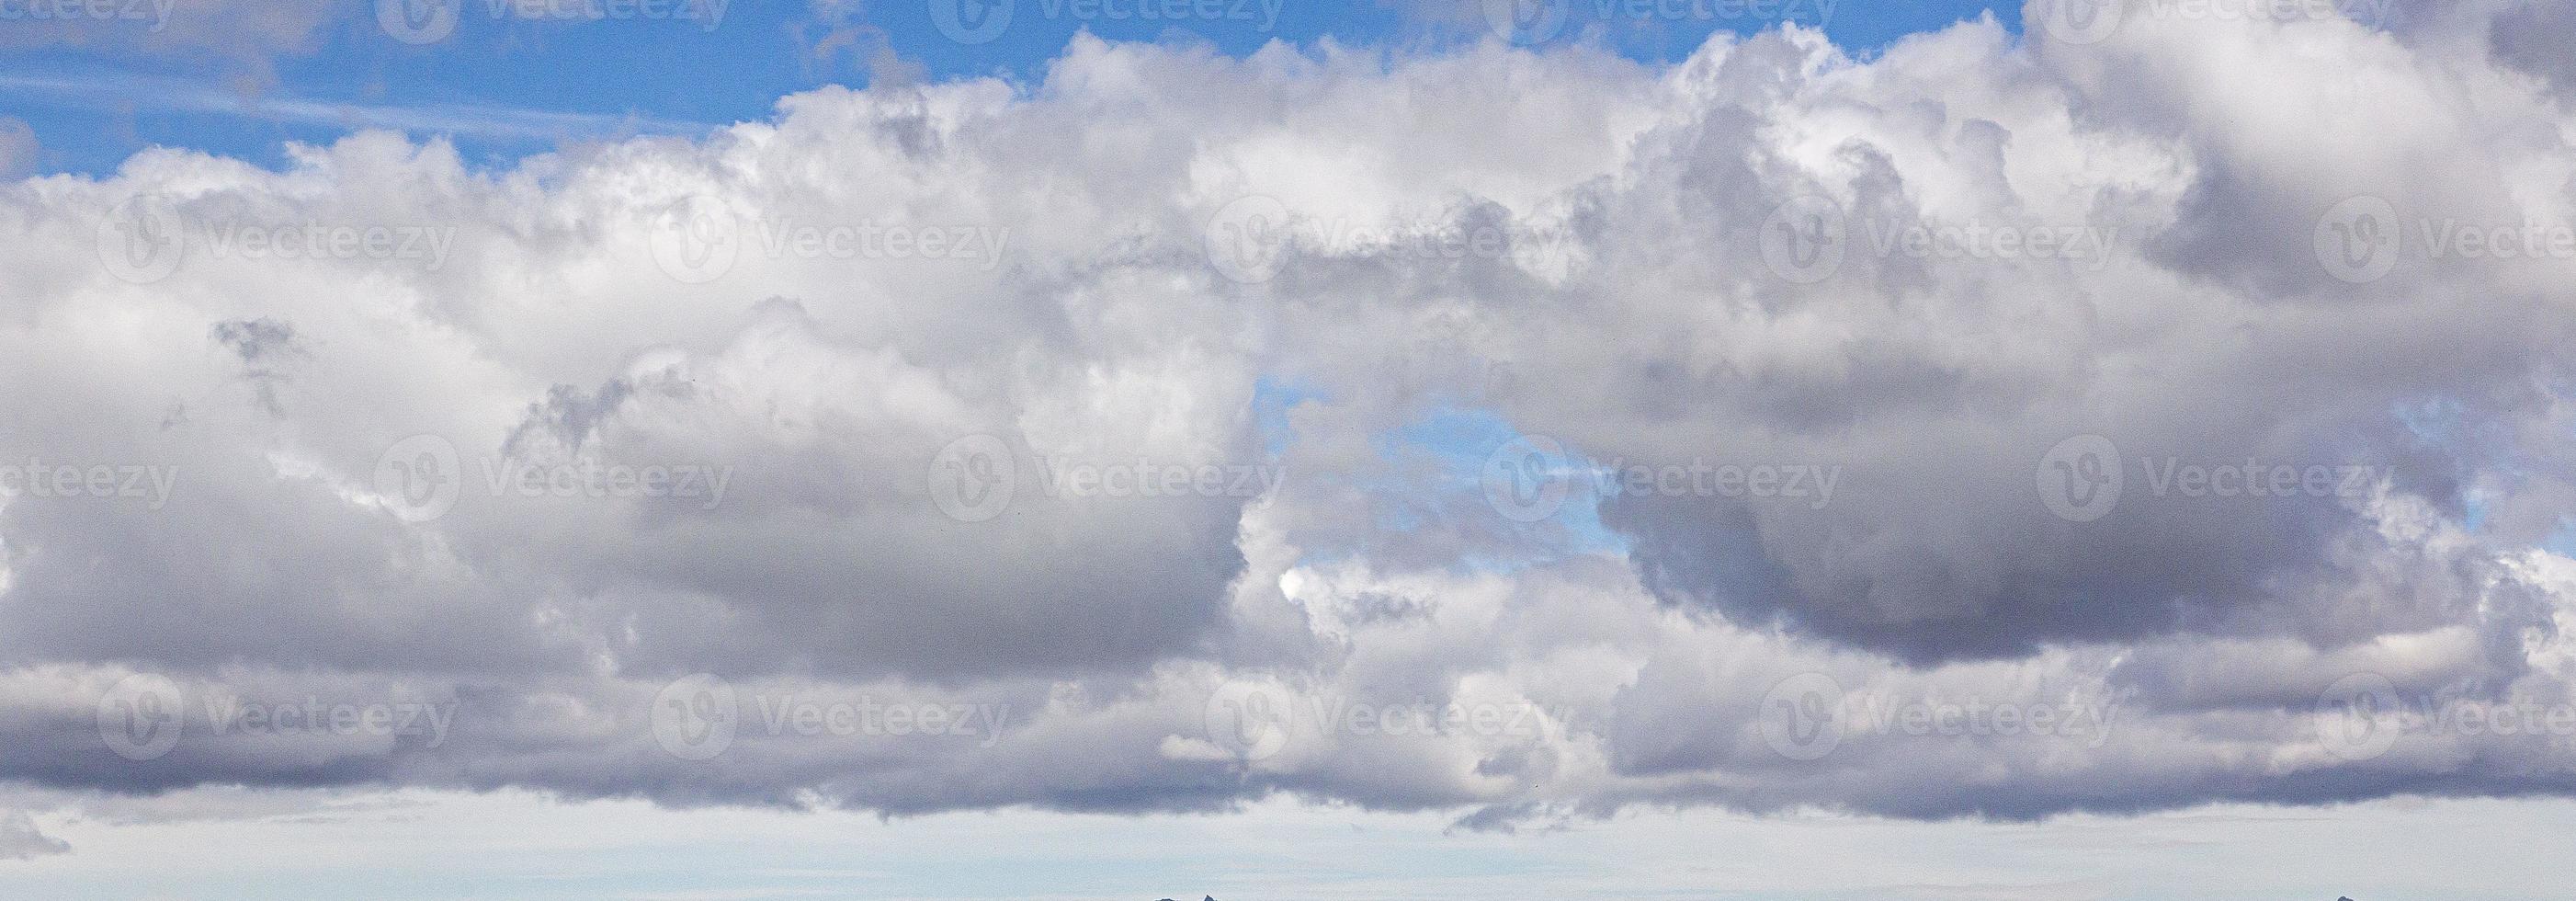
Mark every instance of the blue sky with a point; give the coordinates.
(507, 85)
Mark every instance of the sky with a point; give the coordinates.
(959, 449)
(520, 81)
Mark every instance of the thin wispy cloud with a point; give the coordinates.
(150, 94)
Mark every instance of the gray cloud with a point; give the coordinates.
(1141, 529)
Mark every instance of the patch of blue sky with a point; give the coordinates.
(1478, 451)
(1272, 399)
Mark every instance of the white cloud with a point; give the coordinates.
(964, 404)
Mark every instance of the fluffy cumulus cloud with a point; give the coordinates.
(2104, 418)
